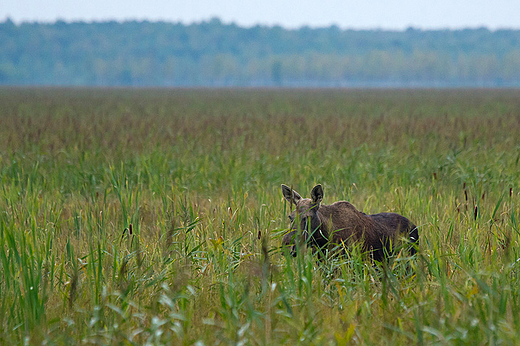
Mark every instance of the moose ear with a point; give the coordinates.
(290, 195)
(317, 194)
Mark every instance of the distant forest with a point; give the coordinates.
(216, 54)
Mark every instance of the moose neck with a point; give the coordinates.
(321, 234)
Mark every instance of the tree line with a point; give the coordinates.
(212, 53)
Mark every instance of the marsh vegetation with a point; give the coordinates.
(155, 216)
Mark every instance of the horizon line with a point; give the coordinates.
(58, 20)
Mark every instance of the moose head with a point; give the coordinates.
(305, 219)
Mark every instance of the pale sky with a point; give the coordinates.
(355, 14)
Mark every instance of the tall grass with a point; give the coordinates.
(155, 216)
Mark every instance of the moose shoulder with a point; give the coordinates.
(341, 222)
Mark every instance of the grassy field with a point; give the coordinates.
(131, 217)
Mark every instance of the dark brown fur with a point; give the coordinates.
(378, 232)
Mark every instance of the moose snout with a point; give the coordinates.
(288, 243)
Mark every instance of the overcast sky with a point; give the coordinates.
(357, 14)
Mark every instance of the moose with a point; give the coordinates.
(342, 224)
